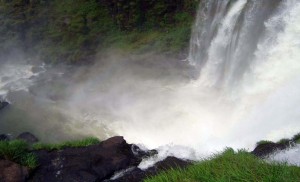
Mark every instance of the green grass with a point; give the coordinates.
(284, 141)
(296, 138)
(231, 166)
(75, 144)
(263, 142)
(17, 151)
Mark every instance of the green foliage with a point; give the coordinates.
(175, 39)
(29, 160)
(230, 166)
(296, 138)
(172, 40)
(17, 151)
(13, 150)
(284, 141)
(75, 30)
(263, 142)
(75, 144)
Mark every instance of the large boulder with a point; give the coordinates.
(5, 137)
(3, 104)
(12, 172)
(87, 164)
(266, 149)
(28, 137)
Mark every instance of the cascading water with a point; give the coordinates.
(248, 56)
(226, 37)
(291, 156)
(247, 53)
(252, 56)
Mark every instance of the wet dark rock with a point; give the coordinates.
(5, 137)
(28, 137)
(94, 163)
(3, 104)
(138, 152)
(138, 175)
(266, 149)
(171, 162)
(88, 164)
(37, 69)
(12, 172)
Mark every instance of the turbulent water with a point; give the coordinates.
(247, 54)
(290, 156)
(15, 77)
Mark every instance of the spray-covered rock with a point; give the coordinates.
(3, 104)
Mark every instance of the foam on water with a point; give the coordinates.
(15, 77)
(291, 156)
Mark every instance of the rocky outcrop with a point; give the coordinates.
(89, 164)
(28, 137)
(12, 172)
(5, 137)
(106, 161)
(3, 104)
(266, 149)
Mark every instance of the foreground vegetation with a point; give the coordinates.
(296, 138)
(226, 166)
(231, 166)
(20, 151)
(68, 144)
(74, 31)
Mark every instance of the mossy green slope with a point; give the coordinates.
(73, 31)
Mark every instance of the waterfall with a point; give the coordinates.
(247, 53)
(226, 37)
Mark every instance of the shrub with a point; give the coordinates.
(296, 138)
(284, 141)
(17, 151)
(263, 142)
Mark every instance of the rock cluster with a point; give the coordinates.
(86, 164)
(113, 160)
(12, 172)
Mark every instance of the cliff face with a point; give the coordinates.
(73, 31)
